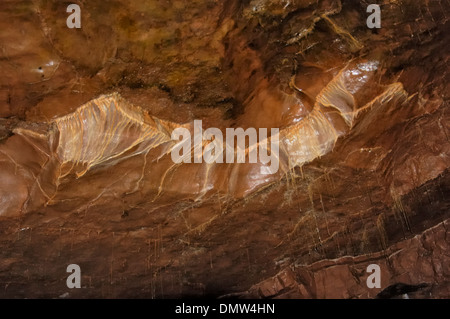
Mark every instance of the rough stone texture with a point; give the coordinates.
(86, 174)
(422, 259)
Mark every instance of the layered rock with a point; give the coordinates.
(87, 174)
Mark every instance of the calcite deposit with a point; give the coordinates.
(362, 151)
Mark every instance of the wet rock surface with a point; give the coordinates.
(345, 277)
(87, 177)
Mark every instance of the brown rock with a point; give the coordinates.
(86, 117)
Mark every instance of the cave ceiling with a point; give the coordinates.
(361, 148)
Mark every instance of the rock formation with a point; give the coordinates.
(363, 149)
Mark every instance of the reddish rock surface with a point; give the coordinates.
(87, 178)
(422, 259)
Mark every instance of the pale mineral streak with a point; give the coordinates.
(109, 130)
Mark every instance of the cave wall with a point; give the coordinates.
(87, 177)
